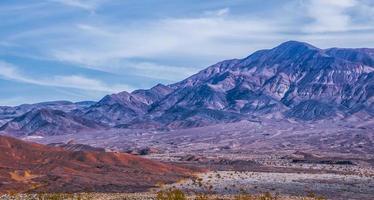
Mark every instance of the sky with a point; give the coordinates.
(84, 49)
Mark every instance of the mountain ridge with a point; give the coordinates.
(293, 80)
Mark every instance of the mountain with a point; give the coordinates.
(29, 167)
(293, 80)
(363, 55)
(124, 107)
(7, 113)
(47, 121)
(116, 108)
(154, 94)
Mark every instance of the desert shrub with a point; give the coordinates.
(172, 194)
(313, 196)
(201, 197)
(267, 196)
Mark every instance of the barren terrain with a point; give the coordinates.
(28, 168)
(291, 158)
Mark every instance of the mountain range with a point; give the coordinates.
(295, 81)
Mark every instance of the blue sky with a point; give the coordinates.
(83, 49)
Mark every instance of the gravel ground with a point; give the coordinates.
(134, 196)
(332, 186)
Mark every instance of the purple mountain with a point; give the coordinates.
(48, 122)
(293, 80)
(8, 113)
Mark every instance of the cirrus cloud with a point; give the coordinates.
(11, 72)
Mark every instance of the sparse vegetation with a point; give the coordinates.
(172, 194)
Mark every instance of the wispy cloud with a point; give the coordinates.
(89, 5)
(10, 72)
(220, 12)
(210, 37)
(216, 34)
(334, 16)
(113, 48)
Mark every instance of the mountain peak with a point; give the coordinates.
(292, 44)
(160, 87)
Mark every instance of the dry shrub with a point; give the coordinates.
(172, 194)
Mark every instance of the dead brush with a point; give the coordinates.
(172, 194)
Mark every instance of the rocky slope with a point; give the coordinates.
(29, 167)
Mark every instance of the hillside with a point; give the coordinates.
(29, 167)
